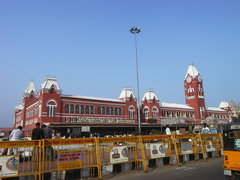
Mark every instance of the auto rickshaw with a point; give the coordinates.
(231, 142)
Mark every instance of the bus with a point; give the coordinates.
(231, 149)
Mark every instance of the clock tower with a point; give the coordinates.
(194, 93)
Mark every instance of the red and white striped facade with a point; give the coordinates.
(50, 106)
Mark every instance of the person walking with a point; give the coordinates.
(16, 135)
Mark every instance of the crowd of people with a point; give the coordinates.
(44, 132)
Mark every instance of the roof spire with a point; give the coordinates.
(30, 88)
(192, 71)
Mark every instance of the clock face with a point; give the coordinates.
(199, 78)
(189, 79)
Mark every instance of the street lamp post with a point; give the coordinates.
(135, 31)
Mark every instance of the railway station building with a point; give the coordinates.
(78, 115)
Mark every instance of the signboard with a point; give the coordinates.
(210, 147)
(186, 148)
(86, 129)
(119, 154)
(157, 150)
(9, 166)
(169, 121)
(69, 160)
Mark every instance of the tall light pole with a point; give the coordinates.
(135, 31)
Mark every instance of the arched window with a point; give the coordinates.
(146, 112)
(91, 109)
(119, 111)
(99, 110)
(103, 110)
(51, 108)
(111, 110)
(87, 109)
(107, 110)
(116, 111)
(163, 113)
(82, 109)
(66, 108)
(154, 112)
(71, 108)
(77, 109)
(131, 112)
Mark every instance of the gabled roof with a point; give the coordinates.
(174, 105)
(30, 88)
(192, 71)
(149, 95)
(126, 93)
(49, 82)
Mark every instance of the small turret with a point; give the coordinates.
(126, 94)
(224, 105)
(149, 96)
(30, 90)
(51, 85)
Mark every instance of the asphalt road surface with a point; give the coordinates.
(196, 170)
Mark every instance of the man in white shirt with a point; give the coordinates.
(167, 130)
(16, 135)
(205, 129)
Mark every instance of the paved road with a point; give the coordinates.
(193, 170)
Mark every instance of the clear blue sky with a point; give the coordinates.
(87, 46)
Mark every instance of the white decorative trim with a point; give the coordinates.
(156, 108)
(52, 100)
(190, 97)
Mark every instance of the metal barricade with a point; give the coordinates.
(55, 156)
(20, 158)
(210, 143)
(160, 146)
(188, 144)
(60, 155)
(117, 150)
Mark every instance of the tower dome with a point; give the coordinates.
(50, 82)
(224, 104)
(126, 93)
(149, 95)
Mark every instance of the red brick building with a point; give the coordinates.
(79, 113)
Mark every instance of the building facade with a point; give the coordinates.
(79, 114)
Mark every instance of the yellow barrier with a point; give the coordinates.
(22, 158)
(68, 154)
(56, 156)
(160, 146)
(188, 144)
(210, 143)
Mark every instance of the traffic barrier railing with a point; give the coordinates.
(59, 155)
(188, 144)
(117, 150)
(68, 154)
(20, 158)
(160, 146)
(210, 143)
